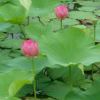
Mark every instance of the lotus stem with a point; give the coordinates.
(34, 83)
(61, 23)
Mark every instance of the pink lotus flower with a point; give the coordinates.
(30, 48)
(61, 12)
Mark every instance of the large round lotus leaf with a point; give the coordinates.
(68, 46)
(7, 78)
(12, 11)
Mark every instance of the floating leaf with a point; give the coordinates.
(68, 46)
(16, 86)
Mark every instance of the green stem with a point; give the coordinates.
(40, 20)
(34, 84)
(22, 30)
(70, 75)
(61, 24)
(92, 72)
(94, 32)
(28, 20)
